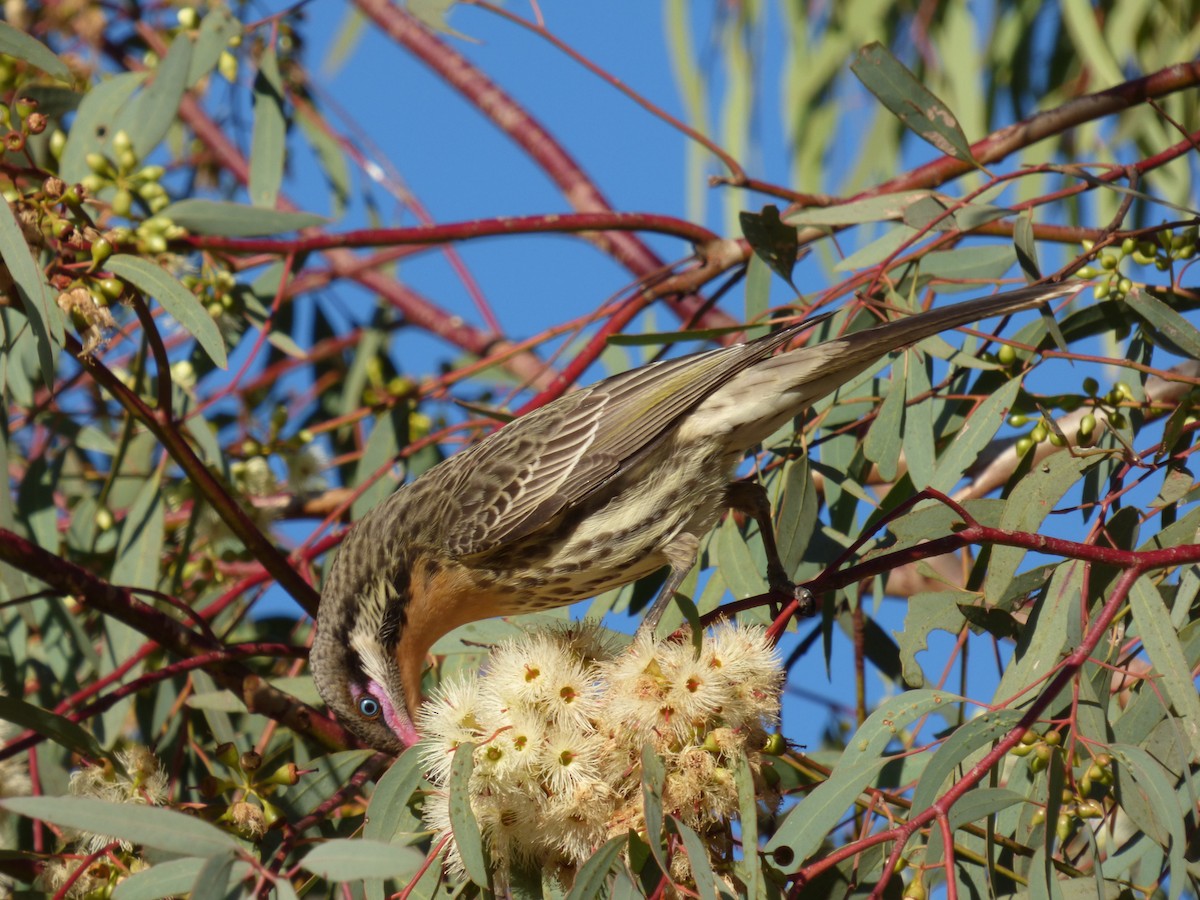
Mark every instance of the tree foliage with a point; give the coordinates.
(205, 379)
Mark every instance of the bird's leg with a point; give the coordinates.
(681, 556)
(750, 498)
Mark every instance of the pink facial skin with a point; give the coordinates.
(397, 720)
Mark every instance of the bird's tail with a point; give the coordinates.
(762, 398)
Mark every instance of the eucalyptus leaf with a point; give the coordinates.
(181, 303)
(163, 829)
(226, 219)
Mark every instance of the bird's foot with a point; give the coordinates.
(790, 593)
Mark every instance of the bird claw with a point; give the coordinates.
(805, 604)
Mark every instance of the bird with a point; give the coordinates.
(594, 490)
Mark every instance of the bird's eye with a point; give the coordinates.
(369, 707)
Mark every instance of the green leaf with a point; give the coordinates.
(149, 116)
(139, 551)
(975, 434)
(433, 15)
(462, 817)
(93, 127)
(956, 753)
(775, 242)
(924, 613)
(809, 823)
(36, 295)
(919, 453)
(218, 217)
(1177, 330)
(910, 101)
(1037, 652)
(882, 444)
(743, 779)
(1025, 246)
(270, 133)
(181, 303)
(162, 829)
(706, 886)
(883, 208)
(942, 213)
(171, 878)
(758, 295)
(352, 860)
(218, 28)
(1027, 506)
(15, 42)
(982, 263)
(384, 443)
(388, 809)
(654, 776)
(593, 874)
(1161, 641)
(57, 728)
(1159, 814)
(797, 513)
(215, 878)
(878, 250)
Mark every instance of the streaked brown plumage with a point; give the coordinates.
(592, 491)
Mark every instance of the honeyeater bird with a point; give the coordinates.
(592, 491)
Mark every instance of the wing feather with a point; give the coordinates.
(520, 478)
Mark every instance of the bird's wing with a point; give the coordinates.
(521, 477)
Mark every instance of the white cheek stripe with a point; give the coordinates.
(374, 666)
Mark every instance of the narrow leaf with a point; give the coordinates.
(758, 295)
(706, 886)
(346, 860)
(1026, 246)
(1161, 641)
(215, 878)
(149, 116)
(654, 775)
(35, 292)
(593, 874)
(15, 42)
(235, 219)
(163, 829)
(1181, 333)
(93, 127)
(809, 823)
(886, 207)
(388, 808)
(218, 28)
(462, 817)
(910, 101)
(169, 879)
(1027, 506)
(142, 533)
(181, 303)
(270, 133)
(42, 721)
(882, 444)
(743, 779)
(956, 753)
(975, 434)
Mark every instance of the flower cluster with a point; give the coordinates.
(142, 782)
(560, 719)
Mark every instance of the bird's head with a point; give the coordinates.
(355, 655)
